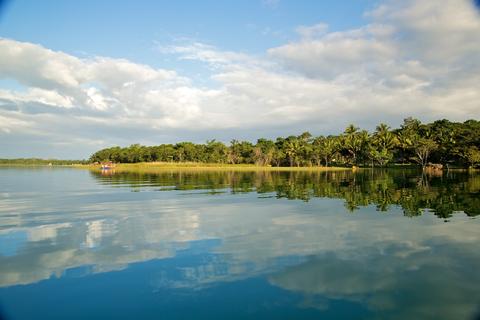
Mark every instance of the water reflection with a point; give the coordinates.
(390, 266)
(443, 195)
(426, 284)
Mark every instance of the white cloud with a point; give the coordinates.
(208, 54)
(312, 31)
(37, 95)
(412, 59)
(8, 124)
(33, 65)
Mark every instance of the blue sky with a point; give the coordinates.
(128, 29)
(133, 29)
(76, 76)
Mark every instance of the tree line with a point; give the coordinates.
(443, 142)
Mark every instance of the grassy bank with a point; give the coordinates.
(152, 167)
(193, 166)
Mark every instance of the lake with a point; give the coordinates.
(386, 244)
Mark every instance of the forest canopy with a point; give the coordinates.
(443, 142)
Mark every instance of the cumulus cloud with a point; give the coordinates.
(312, 31)
(412, 59)
(205, 53)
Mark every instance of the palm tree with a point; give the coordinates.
(384, 137)
(383, 142)
(351, 129)
(292, 149)
(353, 141)
(332, 145)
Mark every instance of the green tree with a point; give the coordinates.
(217, 152)
(292, 149)
(351, 142)
(406, 136)
(423, 147)
(383, 142)
(472, 156)
(443, 132)
(264, 152)
(234, 152)
(324, 148)
(305, 152)
(355, 143)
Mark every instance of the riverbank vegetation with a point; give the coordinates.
(443, 142)
(154, 167)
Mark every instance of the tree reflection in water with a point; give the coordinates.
(414, 192)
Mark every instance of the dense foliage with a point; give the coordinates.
(445, 142)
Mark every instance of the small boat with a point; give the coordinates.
(107, 165)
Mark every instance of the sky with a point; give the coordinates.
(78, 76)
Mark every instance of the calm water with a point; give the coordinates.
(220, 245)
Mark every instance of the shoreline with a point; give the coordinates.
(193, 166)
(162, 166)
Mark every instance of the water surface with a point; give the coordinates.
(379, 244)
